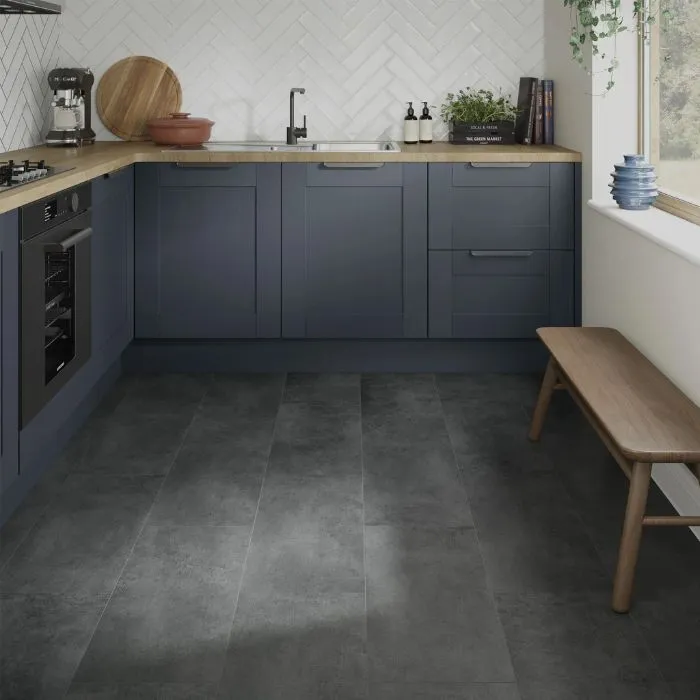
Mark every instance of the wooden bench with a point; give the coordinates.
(640, 415)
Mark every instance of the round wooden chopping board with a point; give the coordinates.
(135, 90)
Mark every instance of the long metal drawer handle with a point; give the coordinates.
(353, 166)
(219, 166)
(501, 165)
(67, 243)
(502, 253)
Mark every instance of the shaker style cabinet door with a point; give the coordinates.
(208, 251)
(354, 250)
(9, 346)
(113, 262)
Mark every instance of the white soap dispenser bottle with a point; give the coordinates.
(426, 125)
(410, 129)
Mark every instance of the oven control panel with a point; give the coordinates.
(38, 217)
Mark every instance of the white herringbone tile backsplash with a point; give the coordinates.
(28, 51)
(360, 60)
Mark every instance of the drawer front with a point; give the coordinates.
(501, 208)
(208, 175)
(502, 218)
(497, 294)
(354, 175)
(500, 175)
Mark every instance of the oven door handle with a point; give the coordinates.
(71, 241)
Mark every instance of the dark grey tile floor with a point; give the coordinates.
(338, 537)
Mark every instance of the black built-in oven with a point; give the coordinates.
(55, 290)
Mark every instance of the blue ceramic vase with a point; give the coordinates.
(634, 184)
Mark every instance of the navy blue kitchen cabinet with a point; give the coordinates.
(113, 262)
(208, 251)
(9, 350)
(501, 256)
(354, 251)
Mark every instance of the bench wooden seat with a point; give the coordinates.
(641, 416)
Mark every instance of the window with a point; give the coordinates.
(670, 54)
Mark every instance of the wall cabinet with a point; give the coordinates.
(354, 254)
(113, 262)
(208, 251)
(9, 350)
(501, 249)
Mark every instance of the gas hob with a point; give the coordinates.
(17, 173)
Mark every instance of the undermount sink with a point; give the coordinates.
(306, 146)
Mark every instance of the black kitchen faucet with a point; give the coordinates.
(293, 132)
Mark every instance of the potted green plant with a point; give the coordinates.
(479, 117)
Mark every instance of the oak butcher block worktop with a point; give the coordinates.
(90, 162)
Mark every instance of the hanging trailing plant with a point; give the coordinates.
(598, 22)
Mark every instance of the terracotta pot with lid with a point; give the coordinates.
(180, 130)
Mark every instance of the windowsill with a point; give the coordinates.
(669, 231)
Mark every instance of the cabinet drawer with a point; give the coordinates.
(354, 175)
(502, 208)
(207, 175)
(499, 218)
(500, 175)
(499, 294)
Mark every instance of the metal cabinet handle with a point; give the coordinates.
(71, 241)
(500, 165)
(353, 166)
(501, 253)
(219, 166)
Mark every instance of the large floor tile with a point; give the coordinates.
(298, 648)
(307, 567)
(398, 407)
(582, 689)
(532, 537)
(142, 691)
(169, 618)
(218, 473)
(165, 394)
(413, 480)
(82, 540)
(669, 625)
(551, 638)
(445, 691)
(327, 389)
(410, 473)
(41, 644)
(133, 443)
(251, 395)
(316, 440)
(513, 388)
(299, 507)
(300, 625)
(431, 618)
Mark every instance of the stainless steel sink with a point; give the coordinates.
(355, 146)
(307, 146)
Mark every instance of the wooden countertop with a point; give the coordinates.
(104, 157)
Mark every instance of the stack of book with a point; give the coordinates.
(535, 122)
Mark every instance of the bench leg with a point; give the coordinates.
(695, 468)
(548, 384)
(631, 537)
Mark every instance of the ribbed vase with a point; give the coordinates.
(634, 184)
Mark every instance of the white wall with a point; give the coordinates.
(360, 60)
(652, 296)
(28, 51)
(649, 293)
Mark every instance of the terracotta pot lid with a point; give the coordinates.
(181, 120)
